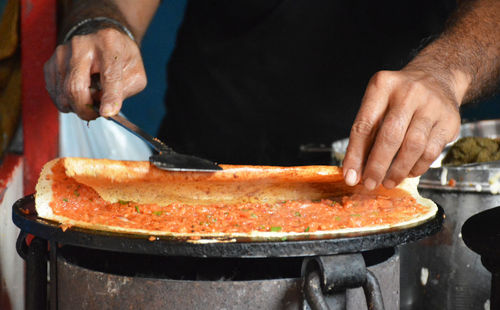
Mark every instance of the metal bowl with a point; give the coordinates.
(479, 177)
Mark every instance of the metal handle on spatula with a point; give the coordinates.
(159, 146)
(156, 144)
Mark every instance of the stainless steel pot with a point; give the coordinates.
(440, 272)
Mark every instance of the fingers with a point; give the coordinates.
(122, 74)
(404, 122)
(76, 86)
(386, 145)
(49, 71)
(117, 87)
(365, 127)
(110, 67)
(66, 77)
(135, 79)
(55, 75)
(441, 134)
(112, 85)
(412, 148)
(108, 53)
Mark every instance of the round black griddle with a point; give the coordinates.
(25, 217)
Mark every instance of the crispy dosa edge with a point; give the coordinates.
(139, 170)
(143, 183)
(43, 191)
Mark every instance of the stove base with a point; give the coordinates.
(85, 288)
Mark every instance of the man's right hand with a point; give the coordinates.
(109, 53)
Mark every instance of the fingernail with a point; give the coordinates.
(107, 110)
(370, 184)
(389, 184)
(351, 177)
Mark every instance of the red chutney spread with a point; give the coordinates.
(82, 203)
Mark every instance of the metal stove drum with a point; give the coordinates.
(102, 270)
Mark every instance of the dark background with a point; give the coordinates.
(147, 108)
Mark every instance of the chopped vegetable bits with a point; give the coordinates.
(79, 202)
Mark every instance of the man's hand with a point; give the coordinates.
(405, 120)
(408, 116)
(109, 53)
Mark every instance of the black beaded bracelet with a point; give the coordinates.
(92, 25)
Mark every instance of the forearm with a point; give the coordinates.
(466, 57)
(133, 14)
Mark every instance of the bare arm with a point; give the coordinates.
(408, 116)
(467, 55)
(98, 48)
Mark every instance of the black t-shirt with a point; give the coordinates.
(251, 80)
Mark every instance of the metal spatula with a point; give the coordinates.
(167, 158)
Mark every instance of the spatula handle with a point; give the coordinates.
(155, 143)
(159, 146)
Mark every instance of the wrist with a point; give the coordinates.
(453, 82)
(461, 82)
(93, 25)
